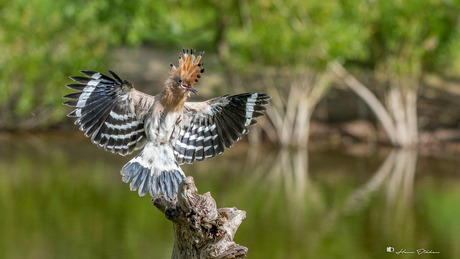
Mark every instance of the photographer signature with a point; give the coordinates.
(419, 251)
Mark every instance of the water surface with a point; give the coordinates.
(62, 197)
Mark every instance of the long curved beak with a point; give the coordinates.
(191, 89)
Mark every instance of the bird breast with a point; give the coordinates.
(163, 127)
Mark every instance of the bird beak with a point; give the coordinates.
(191, 89)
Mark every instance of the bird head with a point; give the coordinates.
(189, 70)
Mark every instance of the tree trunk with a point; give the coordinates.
(399, 118)
(201, 230)
(367, 96)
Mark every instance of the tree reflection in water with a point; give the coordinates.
(287, 170)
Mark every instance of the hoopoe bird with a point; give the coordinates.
(170, 130)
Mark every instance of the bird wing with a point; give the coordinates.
(208, 127)
(107, 111)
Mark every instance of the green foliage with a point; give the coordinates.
(44, 41)
(403, 36)
(409, 37)
(297, 33)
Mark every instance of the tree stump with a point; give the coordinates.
(201, 230)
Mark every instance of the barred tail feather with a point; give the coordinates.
(155, 171)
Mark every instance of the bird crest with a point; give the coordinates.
(189, 68)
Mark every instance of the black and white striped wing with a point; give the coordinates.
(209, 127)
(104, 112)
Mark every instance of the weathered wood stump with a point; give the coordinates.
(201, 230)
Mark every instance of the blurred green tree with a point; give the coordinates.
(288, 44)
(44, 41)
(405, 39)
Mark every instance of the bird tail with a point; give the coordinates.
(154, 170)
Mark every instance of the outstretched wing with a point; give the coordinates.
(209, 127)
(105, 111)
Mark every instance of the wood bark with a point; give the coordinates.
(201, 230)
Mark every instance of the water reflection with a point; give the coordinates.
(284, 171)
(382, 206)
(62, 197)
(396, 175)
(287, 170)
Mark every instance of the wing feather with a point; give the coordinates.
(103, 110)
(210, 127)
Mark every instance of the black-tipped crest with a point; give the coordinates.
(189, 68)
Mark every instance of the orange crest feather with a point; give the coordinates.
(190, 68)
